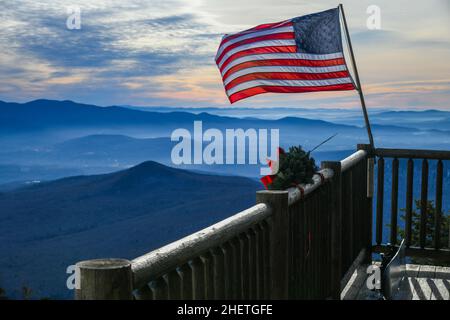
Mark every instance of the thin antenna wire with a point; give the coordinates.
(325, 141)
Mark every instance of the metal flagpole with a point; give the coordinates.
(358, 83)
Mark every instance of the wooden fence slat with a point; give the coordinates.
(409, 202)
(394, 201)
(174, 285)
(159, 288)
(314, 243)
(228, 270)
(185, 272)
(350, 216)
(367, 207)
(218, 273)
(438, 206)
(207, 260)
(346, 258)
(245, 269)
(251, 236)
(259, 262)
(380, 202)
(198, 279)
(423, 204)
(237, 272)
(266, 235)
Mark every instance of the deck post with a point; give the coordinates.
(104, 279)
(336, 227)
(369, 205)
(279, 241)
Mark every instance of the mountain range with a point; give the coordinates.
(45, 116)
(420, 119)
(48, 139)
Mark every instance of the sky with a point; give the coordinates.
(161, 52)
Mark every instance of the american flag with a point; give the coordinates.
(302, 54)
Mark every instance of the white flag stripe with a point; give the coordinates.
(280, 24)
(287, 56)
(259, 44)
(287, 83)
(243, 72)
(254, 35)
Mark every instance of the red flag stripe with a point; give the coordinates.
(277, 69)
(280, 89)
(260, 44)
(286, 76)
(261, 27)
(288, 83)
(284, 62)
(276, 36)
(262, 50)
(225, 44)
(281, 56)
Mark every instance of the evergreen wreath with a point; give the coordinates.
(295, 167)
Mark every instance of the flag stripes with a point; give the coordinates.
(283, 89)
(282, 62)
(274, 43)
(256, 35)
(288, 83)
(282, 69)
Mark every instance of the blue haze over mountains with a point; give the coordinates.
(46, 139)
(80, 181)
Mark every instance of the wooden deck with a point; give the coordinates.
(423, 282)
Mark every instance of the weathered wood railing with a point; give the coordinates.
(294, 244)
(356, 210)
(419, 159)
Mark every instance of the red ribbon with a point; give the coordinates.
(269, 179)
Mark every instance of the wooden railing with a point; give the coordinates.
(356, 207)
(410, 159)
(294, 244)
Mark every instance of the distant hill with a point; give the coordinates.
(51, 114)
(416, 113)
(51, 225)
(118, 148)
(418, 119)
(40, 124)
(425, 120)
(102, 150)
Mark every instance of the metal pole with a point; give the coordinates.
(358, 83)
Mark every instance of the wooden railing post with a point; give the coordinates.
(336, 227)
(104, 279)
(369, 200)
(279, 241)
